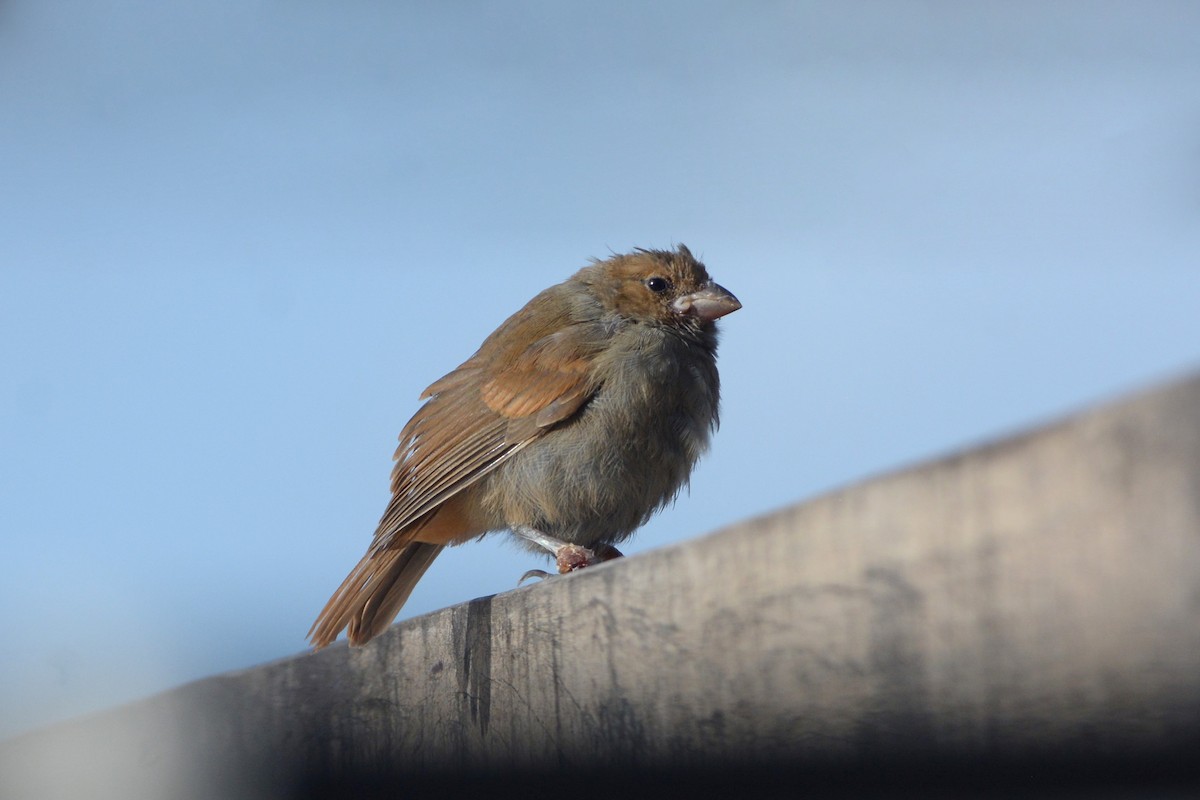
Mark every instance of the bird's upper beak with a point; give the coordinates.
(712, 302)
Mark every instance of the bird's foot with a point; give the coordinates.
(569, 557)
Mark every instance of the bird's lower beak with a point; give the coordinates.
(712, 302)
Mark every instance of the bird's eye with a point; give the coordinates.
(658, 285)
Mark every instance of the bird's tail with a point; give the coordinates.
(372, 594)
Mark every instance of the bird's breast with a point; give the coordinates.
(599, 475)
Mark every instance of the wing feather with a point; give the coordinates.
(478, 416)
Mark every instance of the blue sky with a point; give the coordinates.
(239, 238)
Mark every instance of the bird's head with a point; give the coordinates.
(664, 287)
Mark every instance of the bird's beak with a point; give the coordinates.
(712, 302)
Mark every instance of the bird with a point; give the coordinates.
(575, 421)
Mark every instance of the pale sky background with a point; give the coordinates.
(237, 239)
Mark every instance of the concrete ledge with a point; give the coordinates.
(1032, 603)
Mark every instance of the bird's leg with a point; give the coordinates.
(569, 557)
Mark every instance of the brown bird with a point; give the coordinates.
(575, 421)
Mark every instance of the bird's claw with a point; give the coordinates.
(540, 574)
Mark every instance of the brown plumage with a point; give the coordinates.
(577, 419)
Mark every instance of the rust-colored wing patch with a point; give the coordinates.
(478, 416)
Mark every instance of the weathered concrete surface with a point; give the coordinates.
(1035, 600)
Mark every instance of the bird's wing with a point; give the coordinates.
(478, 416)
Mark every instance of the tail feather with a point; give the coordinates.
(372, 594)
